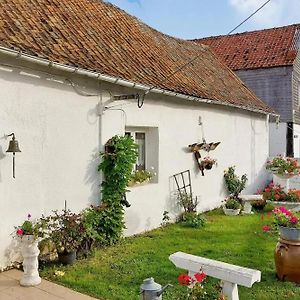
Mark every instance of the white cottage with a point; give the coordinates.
(62, 63)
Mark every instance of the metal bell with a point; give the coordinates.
(13, 146)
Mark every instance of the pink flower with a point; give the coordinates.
(266, 228)
(294, 219)
(200, 276)
(20, 232)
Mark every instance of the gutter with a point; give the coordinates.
(115, 80)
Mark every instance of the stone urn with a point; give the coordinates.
(30, 253)
(287, 255)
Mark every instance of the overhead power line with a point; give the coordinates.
(142, 98)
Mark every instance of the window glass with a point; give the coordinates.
(140, 141)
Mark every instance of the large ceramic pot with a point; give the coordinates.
(231, 212)
(287, 260)
(67, 258)
(30, 253)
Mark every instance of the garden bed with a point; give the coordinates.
(115, 273)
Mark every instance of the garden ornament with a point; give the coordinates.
(195, 148)
(13, 148)
(150, 290)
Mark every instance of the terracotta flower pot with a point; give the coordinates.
(287, 260)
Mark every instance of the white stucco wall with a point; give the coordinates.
(60, 133)
(278, 139)
(296, 128)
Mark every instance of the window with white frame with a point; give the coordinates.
(148, 149)
(140, 139)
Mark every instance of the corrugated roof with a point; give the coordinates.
(257, 49)
(95, 35)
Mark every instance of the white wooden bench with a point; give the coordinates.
(247, 200)
(231, 275)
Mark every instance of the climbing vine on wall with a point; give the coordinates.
(117, 163)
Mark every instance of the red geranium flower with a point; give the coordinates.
(184, 279)
(200, 276)
(294, 219)
(266, 228)
(20, 232)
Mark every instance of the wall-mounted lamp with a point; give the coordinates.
(13, 147)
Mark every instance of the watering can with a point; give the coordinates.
(150, 290)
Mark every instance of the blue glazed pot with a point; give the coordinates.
(289, 234)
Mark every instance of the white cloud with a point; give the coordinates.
(275, 13)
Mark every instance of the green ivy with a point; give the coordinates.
(118, 159)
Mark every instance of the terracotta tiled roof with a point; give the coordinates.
(98, 36)
(257, 49)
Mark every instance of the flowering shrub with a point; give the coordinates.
(286, 218)
(197, 290)
(280, 216)
(275, 192)
(37, 228)
(283, 165)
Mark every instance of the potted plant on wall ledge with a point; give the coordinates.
(141, 177)
(234, 186)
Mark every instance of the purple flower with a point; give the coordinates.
(29, 216)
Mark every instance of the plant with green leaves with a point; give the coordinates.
(233, 183)
(105, 223)
(186, 201)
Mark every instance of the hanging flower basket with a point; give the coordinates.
(207, 163)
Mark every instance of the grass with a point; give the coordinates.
(115, 273)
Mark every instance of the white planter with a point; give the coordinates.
(294, 206)
(283, 180)
(30, 253)
(231, 212)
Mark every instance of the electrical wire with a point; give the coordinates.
(140, 104)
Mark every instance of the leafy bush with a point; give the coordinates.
(233, 183)
(192, 219)
(232, 203)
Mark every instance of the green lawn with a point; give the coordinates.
(115, 273)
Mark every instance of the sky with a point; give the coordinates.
(190, 19)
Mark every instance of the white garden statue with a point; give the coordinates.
(30, 253)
